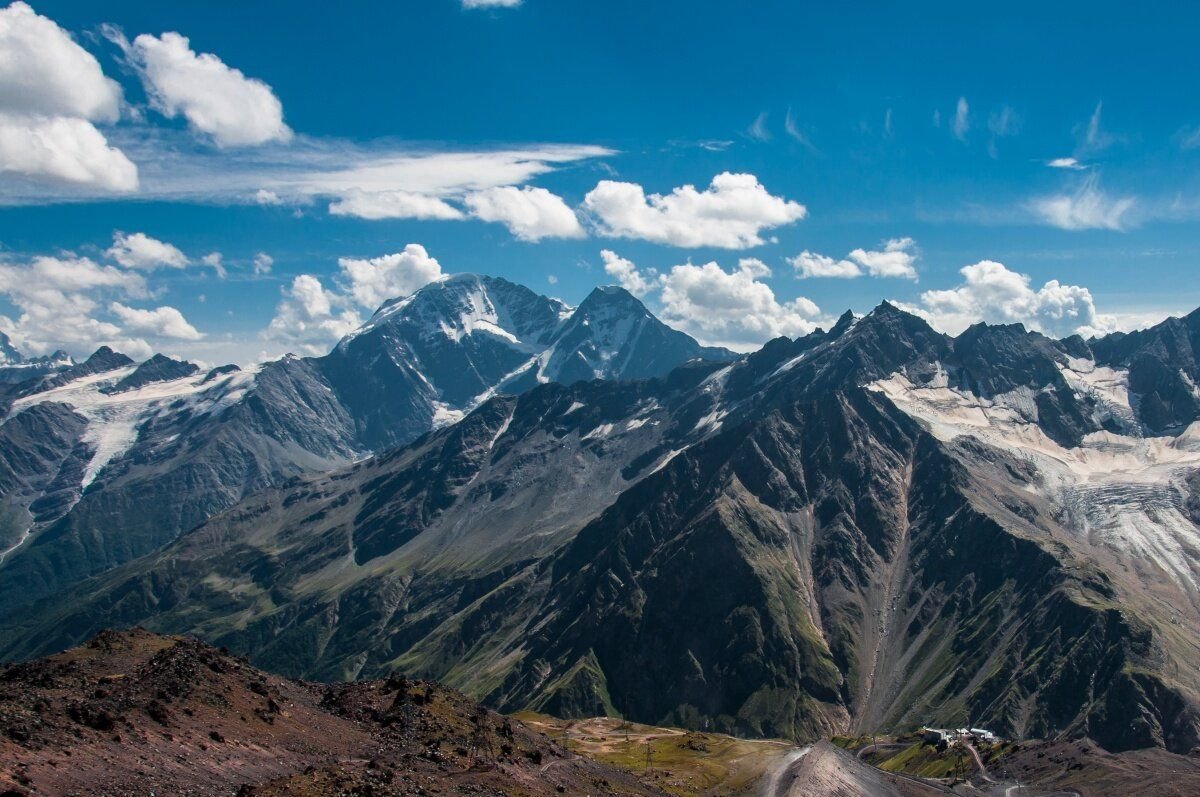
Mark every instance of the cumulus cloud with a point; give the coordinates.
(140, 251)
(628, 274)
(378, 205)
(51, 92)
(215, 99)
(729, 308)
(163, 322)
(371, 282)
(1086, 208)
(811, 264)
(309, 317)
(896, 259)
(57, 300)
(529, 213)
(44, 72)
(992, 293)
(65, 150)
(491, 3)
(962, 119)
(731, 213)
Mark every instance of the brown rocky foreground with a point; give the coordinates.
(137, 713)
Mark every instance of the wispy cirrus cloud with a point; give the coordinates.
(962, 119)
(1087, 207)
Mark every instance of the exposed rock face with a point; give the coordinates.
(157, 369)
(163, 447)
(871, 528)
(1163, 365)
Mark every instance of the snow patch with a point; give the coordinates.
(444, 414)
(113, 421)
(1123, 492)
(599, 433)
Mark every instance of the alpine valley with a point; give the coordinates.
(582, 512)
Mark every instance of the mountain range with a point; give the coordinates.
(584, 512)
(105, 460)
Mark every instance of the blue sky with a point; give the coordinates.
(873, 150)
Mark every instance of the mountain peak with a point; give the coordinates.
(612, 296)
(844, 322)
(8, 353)
(106, 359)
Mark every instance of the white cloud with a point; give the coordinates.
(378, 205)
(163, 322)
(1087, 208)
(758, 128)
(307, 170)
(263, 263)
(264, 197)
(731, 213)
(140, 251)
(728, 308)
(217, 100)
(962, 119)
(43, 72)
(57, 302)
(310, 318)
(810, 264)
(215, 261)
(1094, 137)
(529, 213)
(992, 293)
(373, 281)
(439, 174)
(732, 308)
(51, 92)
(627, 274)
(792, 128)
(65, 150)
(896, 259)
(1065, 163)
(491, 3)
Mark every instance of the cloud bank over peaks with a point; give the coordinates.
(993, 293)
(733, 308)
(310, 317)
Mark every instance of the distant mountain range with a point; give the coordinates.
(104, 461)
(874, 527)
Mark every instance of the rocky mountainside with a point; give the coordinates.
(863, 529)
(136, 713)
(106, 460)
(15, 367)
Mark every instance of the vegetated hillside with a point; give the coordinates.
(875, 527)
(137, 713)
